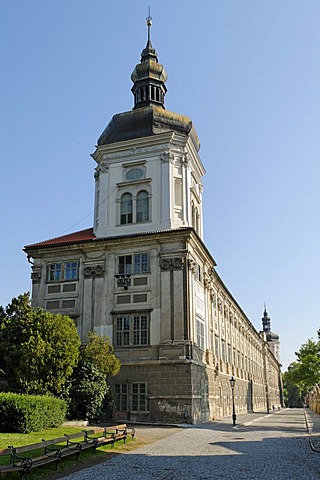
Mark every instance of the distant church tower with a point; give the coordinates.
(272, 338)
(143, 276)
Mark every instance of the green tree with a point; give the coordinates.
(303, 374)
(87, 391)
(38, 350)
(89, 394)
(99, 352)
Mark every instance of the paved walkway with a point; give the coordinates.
(273, 447)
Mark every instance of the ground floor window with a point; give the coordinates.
(131, 397)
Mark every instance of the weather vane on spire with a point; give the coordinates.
(149, 23)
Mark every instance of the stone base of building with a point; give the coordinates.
(183, 392)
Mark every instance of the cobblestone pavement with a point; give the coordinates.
(313, 425)
(272, 447)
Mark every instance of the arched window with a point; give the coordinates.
(142, 206)
(126, 209)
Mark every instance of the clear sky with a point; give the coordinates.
(247, 73)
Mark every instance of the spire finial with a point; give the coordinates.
(149, 23)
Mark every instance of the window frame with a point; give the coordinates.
(132, 330)
(139, 264)
(64, 268)
(126, 209)
(131, 397)
(134, 206)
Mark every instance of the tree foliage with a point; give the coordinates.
(89, 395)
(38, 350)
(87, 391)
(99, 352)
(303, 374)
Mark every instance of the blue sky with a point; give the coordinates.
(247, 73)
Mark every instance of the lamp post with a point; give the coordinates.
(234, 416)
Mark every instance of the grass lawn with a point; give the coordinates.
(69, 464)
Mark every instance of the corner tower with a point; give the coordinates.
(149, 174)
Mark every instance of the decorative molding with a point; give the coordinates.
(134, 151)
(93, 271)
(171, 263)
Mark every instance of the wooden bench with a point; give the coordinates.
(110, 434)
(23, 459)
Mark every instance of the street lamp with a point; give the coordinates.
(232, 384)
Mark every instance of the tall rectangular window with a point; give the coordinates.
(216, 346)
(131, 330)
(140, 330)
(200, 334)
(125, 264)
(55, 272)
(121, 391)
(142, 207)
(123, 331)
(71, 270)
(223, 350)
(141, 262)
(139, 396)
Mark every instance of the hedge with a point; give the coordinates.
(30, 413)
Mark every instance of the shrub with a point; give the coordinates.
(30, 413)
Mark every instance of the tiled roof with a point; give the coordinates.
(82, 236)
(88, 235)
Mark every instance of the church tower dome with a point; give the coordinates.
(149, 172)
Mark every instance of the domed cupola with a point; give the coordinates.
(266, 323)
(149, 77)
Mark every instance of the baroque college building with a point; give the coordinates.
(144, 277)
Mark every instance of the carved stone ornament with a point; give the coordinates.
(167, 157)
(185, 158)
(103, 167)
(219, 305)
(192, 265)
(207, 280)
(93, 271)
(171, 263)
(36, 276)
(96, 174)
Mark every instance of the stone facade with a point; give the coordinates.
(143, 276)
